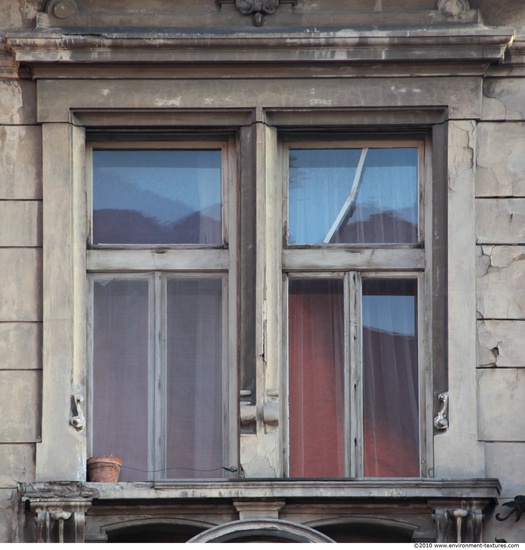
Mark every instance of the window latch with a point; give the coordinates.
(77, 420)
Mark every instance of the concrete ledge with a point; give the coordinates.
(264, 488)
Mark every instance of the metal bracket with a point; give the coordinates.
(77, 420)
(441, 420)
(517, 506)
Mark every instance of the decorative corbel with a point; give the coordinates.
(248, 411)
(258, 9)
(60, 520)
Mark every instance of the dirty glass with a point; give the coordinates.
(194, 417)
(157, 197)
(316, 378)
(120, 374)
(353, 196)
(390, 378)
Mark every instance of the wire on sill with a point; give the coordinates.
(231, 469)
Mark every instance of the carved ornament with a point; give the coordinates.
(258, 9)
(453, 8)
(62, 9)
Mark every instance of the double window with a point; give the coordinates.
(164, 280)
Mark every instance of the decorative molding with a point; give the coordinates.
(460, 525)
(60, 520)
(62, 9)
(258, 9)
(453, 8)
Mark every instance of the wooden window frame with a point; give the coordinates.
(367, 260)
(157, 264)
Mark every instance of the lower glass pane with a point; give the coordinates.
(316, 378)
(194, 414)
(120, 374)
(390, 378)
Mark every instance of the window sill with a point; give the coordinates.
(389, 489)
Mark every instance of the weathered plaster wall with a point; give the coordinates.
(20, 275)
(500, 228)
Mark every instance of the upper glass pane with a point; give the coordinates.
(157, 197)
(353, 196)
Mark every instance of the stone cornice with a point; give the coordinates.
(452, 46)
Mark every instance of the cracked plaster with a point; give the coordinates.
(501, 160)
(503, 99)
(501, 343)
(500, 221)
(501, 272)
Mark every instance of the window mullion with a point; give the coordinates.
(354, 408)
(157, 384)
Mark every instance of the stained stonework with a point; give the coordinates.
(20, 273)
(21, 161)
(20, 396)
(501, 395)
(20, 346)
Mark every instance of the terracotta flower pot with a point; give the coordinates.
(104, 468)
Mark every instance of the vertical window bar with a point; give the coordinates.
(157, 426)
(352, 358)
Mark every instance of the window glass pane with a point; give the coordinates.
(390, 373)
(316, 378)
(194, 415)
(120, 374)
(353, 196)
(157, 197)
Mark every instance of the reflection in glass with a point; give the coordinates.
(157, 197)
(194, 419)
(390, 373)
(353, 196)
(120, 374)
(316, 378)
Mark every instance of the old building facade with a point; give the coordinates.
(270, 254)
